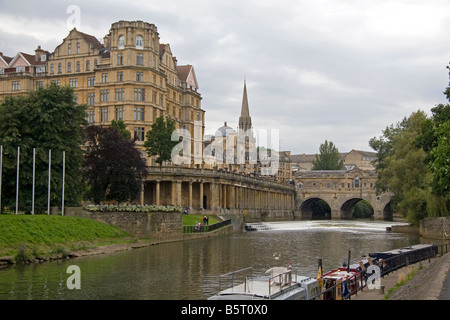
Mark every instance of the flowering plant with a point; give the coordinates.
(132, 208)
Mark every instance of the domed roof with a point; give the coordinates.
(224, 131)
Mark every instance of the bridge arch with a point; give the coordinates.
(346, 210)
(315, 208)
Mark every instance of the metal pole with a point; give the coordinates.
(1, 165)
(49, 175)
(34, 171)
(17, 179)
(63, 177)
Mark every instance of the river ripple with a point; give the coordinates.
(190, 269)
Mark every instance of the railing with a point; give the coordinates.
(206, 228)
(281, 280)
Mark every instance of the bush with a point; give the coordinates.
(132, 208)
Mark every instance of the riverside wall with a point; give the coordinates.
(158, 226)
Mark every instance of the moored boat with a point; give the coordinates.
(278, 283)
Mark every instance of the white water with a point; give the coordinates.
(343, 225)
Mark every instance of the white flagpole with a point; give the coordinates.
(17, 179)
(34, 171)
(63, 177)
(1, 165)
(49, 174)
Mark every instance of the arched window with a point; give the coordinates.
(139, 42)
(121, 42)
(69, 67)
(356, 182)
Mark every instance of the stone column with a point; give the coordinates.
(201, 195)
(158, 192)
(190, 196)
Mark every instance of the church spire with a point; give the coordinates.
(245, 121)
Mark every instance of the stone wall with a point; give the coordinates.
(435, 228)
(157, 226)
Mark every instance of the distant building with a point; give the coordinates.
(131, 76)
(353, 159)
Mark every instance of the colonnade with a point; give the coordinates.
(215, 194)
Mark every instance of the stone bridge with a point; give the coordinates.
(341, 190)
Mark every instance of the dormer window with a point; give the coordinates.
(139, 42)
(121, 42)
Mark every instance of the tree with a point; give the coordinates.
(114, 169)
(45, 119)
(402, 170)
(159, 140)
(122, 128)
(329, 158)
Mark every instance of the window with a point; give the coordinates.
(121, 42)
(91, 81)
(91, 116)
(139, 76)
(95, 63)
(119, 59)
(69, 48)
(119, 113)
(59, 68)
(104, 77)
(120, 94)
(78, 66)
(139, 133)
(139, 94)
(52, 69)
(104, 95)
(39, 84)
(73, 83)
(104, 115)
(139, 42)
(119, 76)
(55, 82)
(88, 65)
(140, 59)
(15, 85)
(138, 113)
(69, 67)
(78, 48)
(91, 98)
(75, 98)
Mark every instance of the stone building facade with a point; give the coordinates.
(131, 76)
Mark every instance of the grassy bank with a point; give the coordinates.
(29, 236)
(192, 219)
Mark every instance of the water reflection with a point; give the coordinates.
(190, 269)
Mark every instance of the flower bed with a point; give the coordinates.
(132, 208)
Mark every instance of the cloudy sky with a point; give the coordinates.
(336, 70)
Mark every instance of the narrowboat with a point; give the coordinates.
(278, 283)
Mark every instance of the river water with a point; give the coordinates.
(190, 269)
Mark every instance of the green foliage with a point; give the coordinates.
(122, 128)
(159, 140)
(329, 158)
(132, 208)
(30, 235)
(45, 119)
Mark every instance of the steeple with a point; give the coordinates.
(245, 121)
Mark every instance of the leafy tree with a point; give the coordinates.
(45, 119)
(329, 158)
(122, 128)
(159, 140)
(402, 170)
(114, 168)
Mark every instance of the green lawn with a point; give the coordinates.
(35, 235)
(192, 219)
